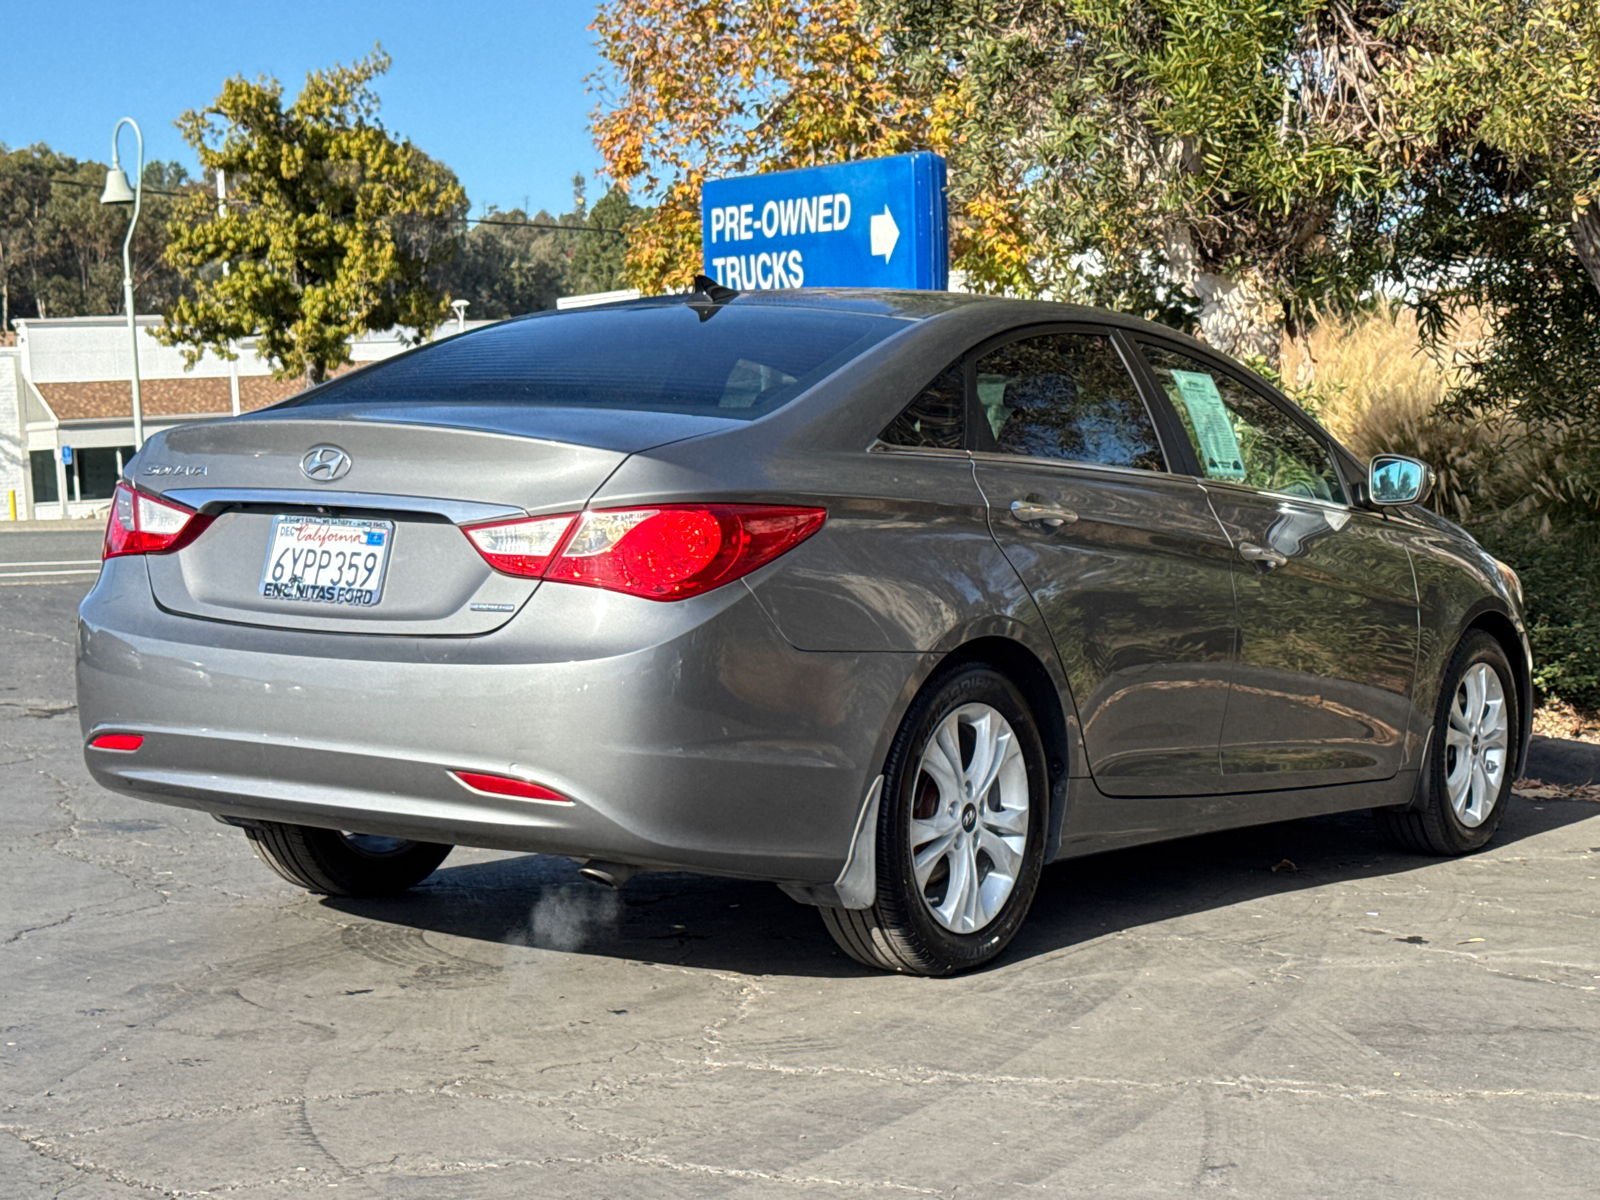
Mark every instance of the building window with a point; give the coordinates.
(43, 463)
(96, 470)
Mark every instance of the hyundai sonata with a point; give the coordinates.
(889, 598)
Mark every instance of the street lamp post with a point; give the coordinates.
(233, 359)
(118, 192)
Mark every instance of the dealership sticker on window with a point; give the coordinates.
(1219, 448)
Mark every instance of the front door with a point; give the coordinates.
(1326, 599)
(1126, 561)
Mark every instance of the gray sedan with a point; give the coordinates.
(889, 598)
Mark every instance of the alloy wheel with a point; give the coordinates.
(1476, 745)
(969, 818)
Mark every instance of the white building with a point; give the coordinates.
(66, 407)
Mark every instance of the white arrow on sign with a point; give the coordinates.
(885, 233)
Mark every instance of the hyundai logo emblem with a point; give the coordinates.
(325, 464)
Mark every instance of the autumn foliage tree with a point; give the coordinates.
(1234, 166)
(1168, 156)
(697, 89)
(334, 227)
(1245, 164)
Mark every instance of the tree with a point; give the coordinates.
(699, 88)
(1168, 155)
(508, 263)
(24, 194)
(1497, 107)
(334, 229)
(61, 249)
(1247, 163)
(599, 260)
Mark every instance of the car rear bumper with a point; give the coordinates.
(688, 736)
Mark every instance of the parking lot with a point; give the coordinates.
(1295, 1010)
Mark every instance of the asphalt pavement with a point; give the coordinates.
(1290, 1011)
(36, 552)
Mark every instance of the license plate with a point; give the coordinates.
(327, 560)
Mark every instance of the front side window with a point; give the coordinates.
(1066, 396)
(936, 419)
(1239, 435)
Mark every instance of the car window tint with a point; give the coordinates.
(1067, 396)
(1239, 435)
(936, 419)
(741, 361)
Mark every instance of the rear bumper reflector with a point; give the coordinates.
(504, 785)
(125, 742)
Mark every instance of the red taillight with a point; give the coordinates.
(669, 552)
(142, 524)
(505, 785)
(118, 741)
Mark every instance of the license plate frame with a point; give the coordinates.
(342, 580)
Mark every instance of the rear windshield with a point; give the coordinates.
(740, 362)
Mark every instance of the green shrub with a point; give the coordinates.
(1562, 587)
(1529, 493)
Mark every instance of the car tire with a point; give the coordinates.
(1477, 724)
(344, 864)
(956, 869)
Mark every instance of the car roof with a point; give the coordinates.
(908, 305)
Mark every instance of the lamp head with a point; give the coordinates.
(117, 189)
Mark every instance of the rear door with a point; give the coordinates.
(1125, 559)
(1326, 599)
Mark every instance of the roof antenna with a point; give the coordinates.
(713, 294)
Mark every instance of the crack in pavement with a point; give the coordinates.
(1295, 1087)
(45, 1149)
(140, 882)
(650, 1160)
(478, 1166)
(44, 709)
(22, 933)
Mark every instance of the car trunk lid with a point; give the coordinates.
(388, 492)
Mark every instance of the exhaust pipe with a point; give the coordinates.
(612, 875)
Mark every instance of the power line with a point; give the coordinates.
(547, 225)
(78, 183)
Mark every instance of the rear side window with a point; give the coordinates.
(1067, 396)
(936, 419)
(738, 361)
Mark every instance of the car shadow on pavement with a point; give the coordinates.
(723, 924)
(1092, 897)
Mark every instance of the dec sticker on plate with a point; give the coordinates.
(327, 560)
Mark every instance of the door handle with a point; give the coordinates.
(1270, 559)
(1042, 514)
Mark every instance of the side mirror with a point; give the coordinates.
(1396, 479)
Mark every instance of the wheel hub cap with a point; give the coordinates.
(1477, 743)
(969, 818)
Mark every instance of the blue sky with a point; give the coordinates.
(496, 90)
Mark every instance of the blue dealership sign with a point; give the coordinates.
(876, 223)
